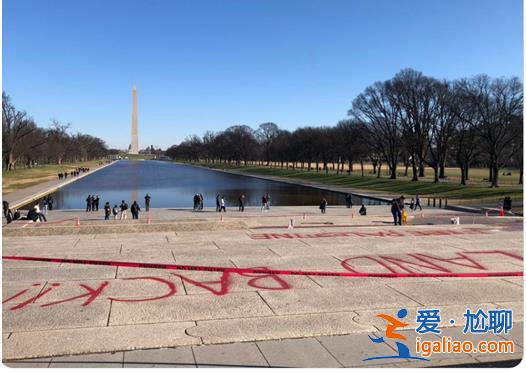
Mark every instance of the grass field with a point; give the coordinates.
(25, 177)
(477, 192)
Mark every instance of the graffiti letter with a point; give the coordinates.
(171, 287)
(91, 294)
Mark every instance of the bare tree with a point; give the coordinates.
(375, 109)
(442, 124)
(267, 134)
(16, 127)
(413, 94)
(496, 103)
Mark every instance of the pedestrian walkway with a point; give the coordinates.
(334, 351)
(24, 196)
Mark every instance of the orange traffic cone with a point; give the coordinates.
(501, 212)
(78, 222)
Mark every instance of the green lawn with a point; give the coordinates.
(456, 193)
(25, 177)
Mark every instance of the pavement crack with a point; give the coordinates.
(262, 354)
(193, 355)
(313, 280)
(328, 351)
(216, 245)
(272, 251)
(109, 314)
(405, 295)
(268, 305)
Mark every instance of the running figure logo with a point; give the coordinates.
(393, 324)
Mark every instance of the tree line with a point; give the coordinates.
(412, 120)
(25, 143)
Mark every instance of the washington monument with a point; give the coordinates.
(134, 147)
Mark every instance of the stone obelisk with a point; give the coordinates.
(134, 147)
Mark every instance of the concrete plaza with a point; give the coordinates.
(58, 314)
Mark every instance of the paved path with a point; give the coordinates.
(22, 197)
(324, 351)
(68, 312)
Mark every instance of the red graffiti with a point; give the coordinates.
(33, 299)
(91, 294)
(18, 294)
(225, 282)
(392, 264)
(282, 284)
(386, 233)
(426, 261)
(171, 287)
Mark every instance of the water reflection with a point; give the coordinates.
(173, 186)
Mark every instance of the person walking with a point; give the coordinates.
(44, 205)
(88, 203)
(50, 202)
(196, 201)
(135, 210)
(241, 201)
(222, 204)
(201, 201)
(323, 205)
(115, 212)
(96, 203)
(124, 209)
(263, 202)
(218, 202)
(417, 202)
(268, 201)
(107, 211)
(395, 210)
(147, 199)
(348, 200)
(412, 204)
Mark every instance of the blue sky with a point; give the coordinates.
(208, 64)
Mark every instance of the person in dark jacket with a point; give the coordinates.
(147, 199)
(5, 205)
(124, 210)
(363, 210)
(96, 203)
(348, 200)
(323, 205)
(396, 211)
(241, 200)
(88, 203)
(107, 211)
(218, 202)
(135, 210)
